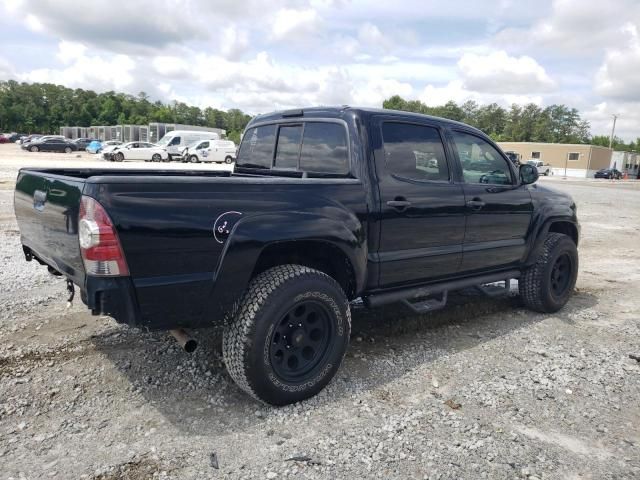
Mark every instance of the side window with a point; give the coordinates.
(481, 162)
(256, 149)
(535, 155)
(288, 149)
(414, 152)
(204, 145)
(175, 141)
(324, 148)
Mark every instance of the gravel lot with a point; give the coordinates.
(482, 389)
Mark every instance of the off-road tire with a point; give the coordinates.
(535, 284)
(248, 336)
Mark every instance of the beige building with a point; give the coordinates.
(576, 159)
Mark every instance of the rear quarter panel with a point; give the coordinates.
(183, 275)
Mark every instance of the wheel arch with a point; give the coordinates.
(259, 242)
(564, 225)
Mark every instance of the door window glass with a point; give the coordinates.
(204, 145)
(256, 150)
(481, 162)
(414, 152)
(324, 148)
(288, 149)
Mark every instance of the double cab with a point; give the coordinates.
(326, 206)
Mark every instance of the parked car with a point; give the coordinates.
(325, 206)
(83, 143)
(29, 138)
(4, 139)
(26, 144)
(514, 157)
(176, 140)
(51, 144)
(138, 151)
(610, 173)
(108, 147)
(219, 151)
(543, 168)
(94, 147)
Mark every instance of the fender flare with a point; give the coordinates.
(541, 233)
(252, 234)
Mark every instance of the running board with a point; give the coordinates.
(410, 295)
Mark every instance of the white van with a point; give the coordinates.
(210, 151)
(175, 140)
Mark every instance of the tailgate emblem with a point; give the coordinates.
(39, 197)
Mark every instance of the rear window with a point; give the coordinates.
(319, 147)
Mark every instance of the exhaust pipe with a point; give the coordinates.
(187, 342)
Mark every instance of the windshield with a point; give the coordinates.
(164, 140)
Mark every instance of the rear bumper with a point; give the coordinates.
(112, 296)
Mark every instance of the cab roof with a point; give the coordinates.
(349, 111)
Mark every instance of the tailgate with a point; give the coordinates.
(47, 207)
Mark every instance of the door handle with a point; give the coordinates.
(475, 204)
(399, 203)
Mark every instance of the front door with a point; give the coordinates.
(422, 211)
(498, 208)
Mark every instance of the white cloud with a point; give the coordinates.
(233, 42)
(33, 23)
(86, 71)
(578, 27)
(456, 91)
(497, 72)
(619, 75)
(291, 23)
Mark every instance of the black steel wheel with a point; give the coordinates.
(300, 340)
(561, 275)
(547, 285)
(288, 338)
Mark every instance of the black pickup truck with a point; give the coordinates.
(325, 206)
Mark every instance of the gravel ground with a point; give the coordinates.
(482, 389)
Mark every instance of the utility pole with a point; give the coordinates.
(613, 130)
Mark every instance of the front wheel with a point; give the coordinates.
(289, 336)
(156, 157)
(34, 149)
(119, 157)
(194, 159)
(67, 150)
(547, 285)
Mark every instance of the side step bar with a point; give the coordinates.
(409, 295)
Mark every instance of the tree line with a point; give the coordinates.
(518, 123)
(44, 108)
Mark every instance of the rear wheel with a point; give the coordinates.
(228, 160)
(289, 336)
(547, 285)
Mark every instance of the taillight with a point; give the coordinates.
(101, 250)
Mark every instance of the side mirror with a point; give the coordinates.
(528, 174)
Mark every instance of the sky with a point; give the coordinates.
(260, 56)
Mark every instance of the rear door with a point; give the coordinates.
(422, 210)
(498, 208)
